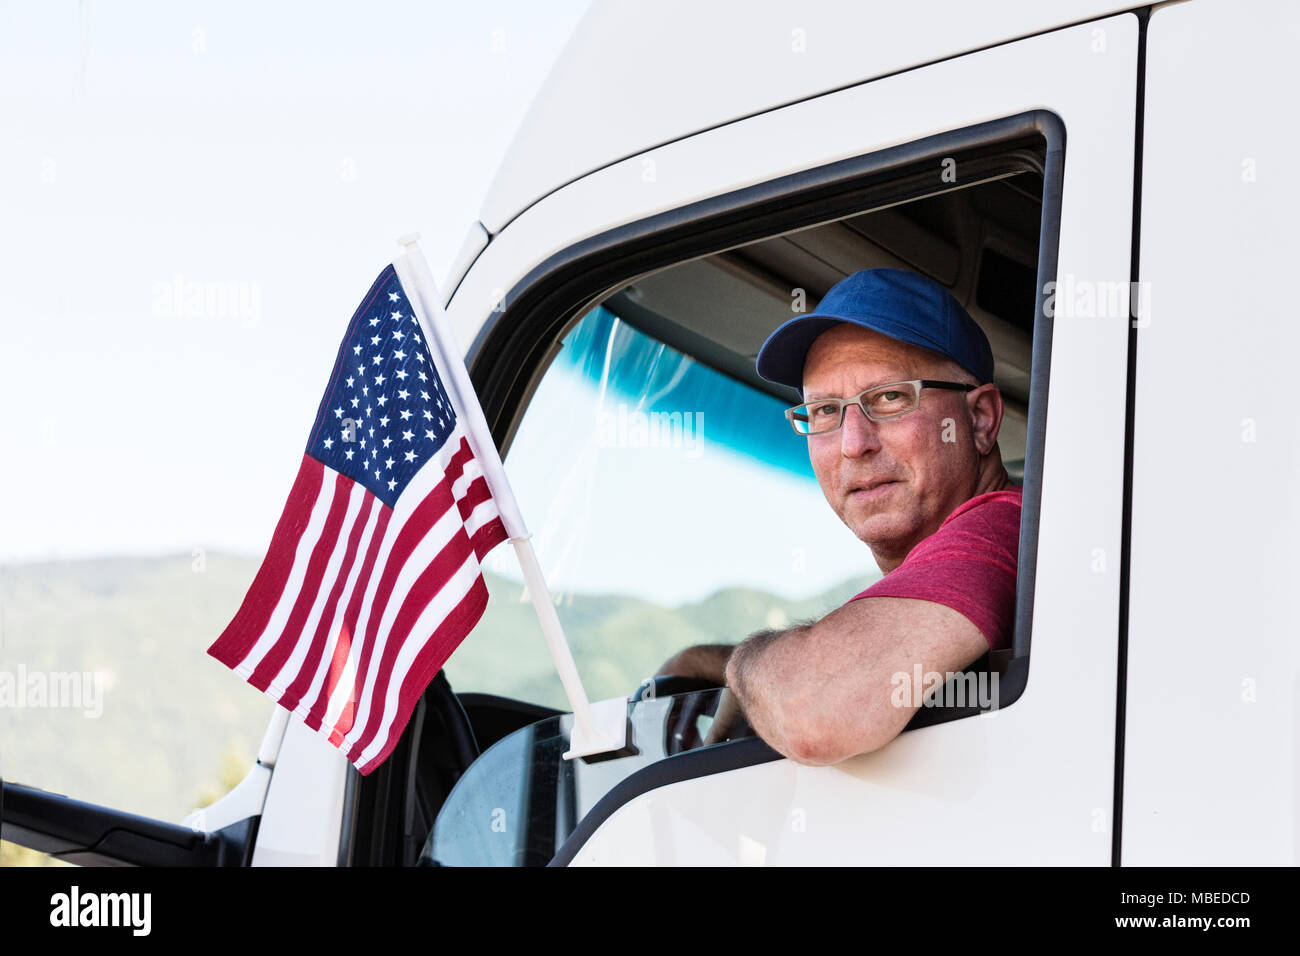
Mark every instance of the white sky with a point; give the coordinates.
(281, 147)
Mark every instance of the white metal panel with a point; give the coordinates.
(636, 75)
(1033, 783)
(1214, 629)
(302, 819)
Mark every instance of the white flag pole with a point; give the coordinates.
(597, 728)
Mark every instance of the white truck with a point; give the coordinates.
(1062, 168)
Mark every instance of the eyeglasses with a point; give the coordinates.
(880, 403)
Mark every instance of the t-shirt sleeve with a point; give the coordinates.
(969, 565)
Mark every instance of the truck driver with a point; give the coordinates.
(901, 418)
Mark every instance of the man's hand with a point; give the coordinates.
(824, 692)
(704, 661)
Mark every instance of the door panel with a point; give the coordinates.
(1210, 763)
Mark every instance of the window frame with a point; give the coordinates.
(513, 348)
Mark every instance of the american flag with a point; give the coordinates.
(372, 577)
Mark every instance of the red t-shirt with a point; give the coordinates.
(968, 564)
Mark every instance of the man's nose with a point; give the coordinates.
(859, 434)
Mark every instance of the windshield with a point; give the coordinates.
(519, 802)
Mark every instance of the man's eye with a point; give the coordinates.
(890, 400)
(823, 411)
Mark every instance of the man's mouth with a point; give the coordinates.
(872, 489)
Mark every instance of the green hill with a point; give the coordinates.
(176, 725)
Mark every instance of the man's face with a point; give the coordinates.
(891, 482)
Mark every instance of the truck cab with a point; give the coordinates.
(1065, 170)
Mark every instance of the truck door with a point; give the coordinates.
(1031, 781)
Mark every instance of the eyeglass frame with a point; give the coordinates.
(844, 403)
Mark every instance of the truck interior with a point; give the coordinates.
(467, 751)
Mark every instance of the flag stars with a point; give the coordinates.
(421, 410)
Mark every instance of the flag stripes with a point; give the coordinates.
(359, 604)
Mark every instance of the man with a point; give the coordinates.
(915, 472)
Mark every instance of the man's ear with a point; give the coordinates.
(985, 405)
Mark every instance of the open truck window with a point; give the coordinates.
(671, 503)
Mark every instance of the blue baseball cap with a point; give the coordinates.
(894, 302)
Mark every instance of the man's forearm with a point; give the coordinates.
(752, 674)
(742, 665)
(705, 661)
